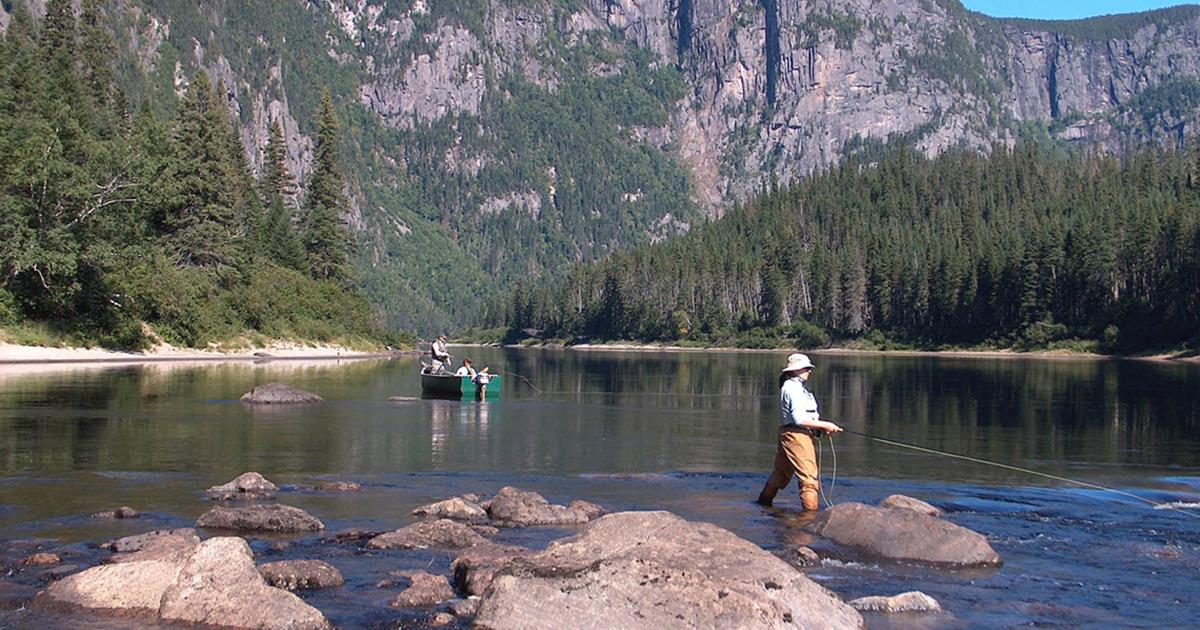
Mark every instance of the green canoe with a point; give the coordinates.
(450, 386)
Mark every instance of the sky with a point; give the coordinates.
(1062, 9)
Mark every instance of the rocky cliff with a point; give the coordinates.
(491, 140)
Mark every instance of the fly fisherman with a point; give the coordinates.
(441, 356)
(800, 425)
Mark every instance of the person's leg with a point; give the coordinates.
(780, 476)
(802, 457)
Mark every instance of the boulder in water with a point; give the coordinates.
(172, 548)
(902, 534)
(138, 542)
(301, 574)
(279, 394)
(901, 502)
(131, 589)
(425, 590)
(121, 512)
(441, 534)
(513, 507)
(475, 568)
(41, 559)
(656, 570)
(455, 508)
(260, 518)
(910, 602)
(248, 485)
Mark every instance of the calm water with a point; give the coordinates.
(692, 433)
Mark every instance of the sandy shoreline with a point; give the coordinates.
(11, 354)
(966, 354)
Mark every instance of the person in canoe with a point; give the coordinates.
(800, 425)
(440, 355)
(465, 370)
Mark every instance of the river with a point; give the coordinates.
(691, 432)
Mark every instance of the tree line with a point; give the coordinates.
(111, 218)
(1022, 247)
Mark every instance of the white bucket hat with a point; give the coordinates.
(797, 362)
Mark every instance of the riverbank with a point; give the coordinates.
(15, 354)
(623, 346)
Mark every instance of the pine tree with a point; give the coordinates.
(278, 237)
(200, 223)
(327, 239)
(276, 180)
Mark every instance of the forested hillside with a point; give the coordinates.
(1021, 248)
(125, 228)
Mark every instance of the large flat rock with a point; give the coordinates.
(131, 589)
(260, 518)
(656, 570)
(439, 534)
(904, 534)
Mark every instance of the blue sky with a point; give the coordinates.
(1061, 9)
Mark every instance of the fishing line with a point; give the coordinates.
(833, 479)
(527, 381)
(977, 460)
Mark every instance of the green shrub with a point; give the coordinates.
(1040, 334)
(10, 313)
(806, 334)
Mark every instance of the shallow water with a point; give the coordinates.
(690, 432)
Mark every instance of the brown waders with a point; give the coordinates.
(796, 456)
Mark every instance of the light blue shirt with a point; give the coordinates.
(797, 405)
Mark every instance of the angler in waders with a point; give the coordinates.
(800, 426)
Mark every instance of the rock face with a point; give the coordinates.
(456, 509)
(426, 590)
(656, 570)
(215, 585)
(901, 502)
(301, 574)
(249, 485)
(513, 507)
(260, 518)
(441, 534)
(903, 534)
(912, 601)
(279, 394)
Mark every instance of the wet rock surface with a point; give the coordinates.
(260, 518)
(279, 394)
(903, 534)
(336, 486)
(441, 534)
(292, 575)
(654, 569)
(425, 589)
(249, 485)
(41, 559)
(171, 547)
(910, 602)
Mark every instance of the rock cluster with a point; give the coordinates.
(216, 584)
(249, 485)
(512, 507)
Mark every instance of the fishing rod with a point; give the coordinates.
(1086, 484)
(527, 381)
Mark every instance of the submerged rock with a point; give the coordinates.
(337, 486)
(456, 509)
(476, 568)
(425, 590)
(260, 518)
(442, 534)
(656, 570)
(513, 507)
(912, 601)
(441, 620)
(800, 557)
(121, 512)
(301, 574)
(901, 502)
(248, 485)
(902, 534)
(279, 394)
(464, 608)
(41, 559)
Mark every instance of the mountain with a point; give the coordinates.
(490, 141)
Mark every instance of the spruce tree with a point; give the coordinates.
(276, 180)
(327, 239)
